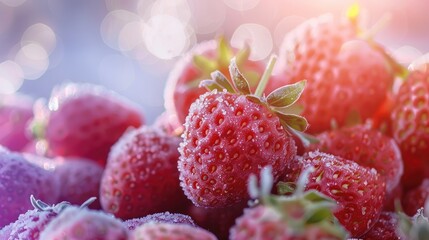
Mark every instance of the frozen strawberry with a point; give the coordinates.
(165, 217)
(19, 179)
(168, 231)
(231, 133)
(141, 175)
(86, 120)
(169, 123)
(415, 198)
(385, 228)
(183, 88)
(5, 232)
(359, 191)
(83, 224)
(15, 114)
(367, 147)
(79, 180)
(345, 74)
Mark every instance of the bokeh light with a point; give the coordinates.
(33, 59)
(112, 25)
(11, 77)
(242, 5)
(13, 3)
(208, 16)
(41, 34)
(257, 37)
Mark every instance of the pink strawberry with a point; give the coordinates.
(15, 113)
(344, 74)
(230, 135)
(83, 224)
(367, 147)
(359, 191)
(165, 217)
(141, 175)
(86, 120)
(385, 228)
(168, 231)
(183, 82)
(79, 180)
(415, 198)
(18, 180)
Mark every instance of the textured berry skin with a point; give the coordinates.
(415, 198)
(228, 137)
(359, 191)
(15, 113)
(5, 232)
(385, 228)
(344, 74)
(85, 121)
(167, 231)
(79, 180)
(141, 175)
(165, 217)
(367, 147)
(82, 224)
(182, 84)
(30, 224)
(19, 179)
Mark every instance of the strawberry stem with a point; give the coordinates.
(266, 76)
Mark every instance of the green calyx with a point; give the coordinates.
(302, 209)
(41, 206)
(413, 228)
(281, 101)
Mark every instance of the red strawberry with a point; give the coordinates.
(86, 120)
(182, 86)
(168, 231)
(415, 198)
(344, 74)
(165, 217)
(141, 175)
(169, 123)
(18, 180)
(76, 223)
(359, 191)
(230, 135)
(15, 113)
(410, 124)
(385, 228)
(79, 180)
(303, 215)
(367, 147)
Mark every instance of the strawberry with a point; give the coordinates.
(165, 217)
(168, 231)
(410, 122)
(344, 74)
(385, 228)
(182, 87)
(75, 223)
(79, 180)
(168, 123)
(231, 133)
(86, 120)
(19, 179)
(15, 113)
(303, 215)
(5, 232)
(415, 198)
(359, 191)
(141, 175)
(367, 147)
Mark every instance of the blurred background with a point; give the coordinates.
(130, 46)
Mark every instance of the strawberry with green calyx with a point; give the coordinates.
(183, 88)
(302, 215)
(414, 228)
(231, 133)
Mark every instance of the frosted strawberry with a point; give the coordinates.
(86, 120)
(302, 215)
(79, 180)
(415, 198)
(183, 88)
(165, 217)
(15, 113)
(367, 147)
(83, 224)
(5, 232)
(231, 133)
(345, 73)
(359, 191)
(385, 228)
(168, 231)
(141, 175)
(18, 180)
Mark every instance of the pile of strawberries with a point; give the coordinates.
(334, 144)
